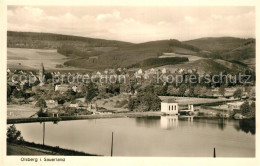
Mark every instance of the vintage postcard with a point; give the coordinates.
(129, 83)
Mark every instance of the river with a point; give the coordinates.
(153, 136)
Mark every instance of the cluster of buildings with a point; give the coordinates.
(135, 76)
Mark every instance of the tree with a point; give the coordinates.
(209, 92)
(161, 90)
(14, 135)
(48, 76)
(132, 103)
(252, 110)
(221, 90)
(187, 92)
(197, 90)
(203, 91)
(238, 93)
(18, 93)
(41, 103)
(148, 100)
(114, 89)
(182, 89)
(191, 91)
(41, 113)
(172, 91)
(92, 91)
(252, 93)
(245, 108)
(9, 91)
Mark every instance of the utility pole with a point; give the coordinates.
(112, 145)
(214, 153)
(43, 134)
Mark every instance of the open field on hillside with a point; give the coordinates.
(30, 59)
(190, 57)
(21, 111)
(117, 103)
(206, 66)
(250, 62)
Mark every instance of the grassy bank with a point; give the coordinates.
(29, 148)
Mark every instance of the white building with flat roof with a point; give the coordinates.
(169, 107)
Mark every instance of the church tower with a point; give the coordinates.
(41, 72)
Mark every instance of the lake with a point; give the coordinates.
(168, 136)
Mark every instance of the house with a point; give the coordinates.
(140, 71)
(180, 71)
(164, 71)
(229, 92)
(238, 116)
(62, 88)
(189, 71)
(119, 69)
(74, 88)
(234, 105)
(53, 113)
(74, 104)
(152, 71)
(169, 107)
(98, 73)
(146, 76)
(51, 103)
(111, 71)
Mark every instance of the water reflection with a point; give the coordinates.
(171, 122)
(246, 126)
(149, 122)
(221, 124)
(168, 122)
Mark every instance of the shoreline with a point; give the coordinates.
(83, 117)
(116, 115)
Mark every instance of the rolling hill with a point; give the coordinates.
(54, 41)
(214, 66)
(219, 43)
(99, 54)
(227, 48)
(133, 54)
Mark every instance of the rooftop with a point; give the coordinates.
(169, 101)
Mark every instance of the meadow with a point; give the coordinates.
(189, 56)
(31, 59)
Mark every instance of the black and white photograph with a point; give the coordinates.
(130, 81)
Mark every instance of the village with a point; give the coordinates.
(140, 81)
(140, 91)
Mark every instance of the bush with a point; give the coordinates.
(14, 135)
(41, 103)
(201, 113)
(41, 113)
(120, 104)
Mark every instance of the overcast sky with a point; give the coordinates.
(135, 24)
